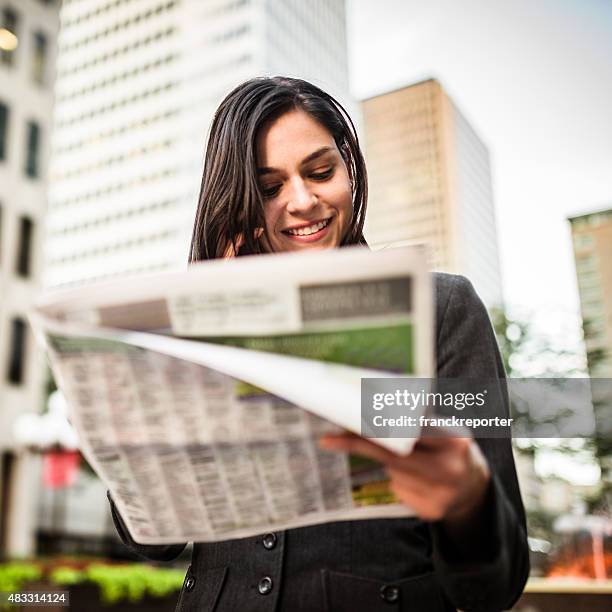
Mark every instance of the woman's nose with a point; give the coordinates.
(301, 198)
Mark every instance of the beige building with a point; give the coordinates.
(430, 181)
(592, 238)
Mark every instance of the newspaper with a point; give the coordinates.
(199, 395)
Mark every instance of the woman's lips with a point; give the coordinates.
(318, 235)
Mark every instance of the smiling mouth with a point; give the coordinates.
(308, 230)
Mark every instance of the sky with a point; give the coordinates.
(534, 78)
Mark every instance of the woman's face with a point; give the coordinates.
(305, 182)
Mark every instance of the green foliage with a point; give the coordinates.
(66, 576)
(133, 582)
(521, 347)
(596, 355)
(511, 336)
(527, 353)
(129, 582)
(15, 574)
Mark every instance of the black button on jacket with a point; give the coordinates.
(380, 564)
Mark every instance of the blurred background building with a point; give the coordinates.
(592, 240)
(137, 85)
(28, 33)
(430, 181)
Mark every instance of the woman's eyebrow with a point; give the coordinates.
(316, 154)
(307, 159)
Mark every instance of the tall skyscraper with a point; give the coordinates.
(138, 82)
(28, 33)
(430, 181)
(592, 238)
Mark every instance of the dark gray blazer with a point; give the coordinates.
(380, 564)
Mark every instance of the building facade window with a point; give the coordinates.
(16, 358)
(586, 280)
(586, 264)
(4, 120)
(39, 57)
(583, 241)
(32, 149)
(24, 247)
(8, 36)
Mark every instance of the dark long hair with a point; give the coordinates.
(230, 202)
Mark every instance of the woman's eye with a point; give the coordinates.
(321, 176)
(270, 192)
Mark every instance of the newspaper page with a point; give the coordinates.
(199, 396)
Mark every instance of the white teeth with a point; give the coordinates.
(311, 229)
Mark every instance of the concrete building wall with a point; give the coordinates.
(26, 91)
(477, 250)
(137, 89)
(293, 26)
(117, 182)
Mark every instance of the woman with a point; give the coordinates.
(284, 172)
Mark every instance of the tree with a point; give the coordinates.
(527, 353)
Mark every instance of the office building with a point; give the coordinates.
(28, 33)
(430, 181)
(138, 82)
(592, 240)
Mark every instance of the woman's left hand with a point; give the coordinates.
(444, 478)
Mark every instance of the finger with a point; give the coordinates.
(432, 469)
(434, 436)
(419, 501)
(352, 443)
(422, 463)
(417, 462)
(409, 474)
(413, 495)
(409, 483)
